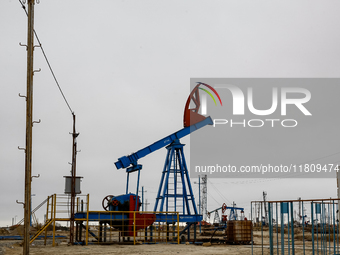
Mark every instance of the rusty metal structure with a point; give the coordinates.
(73, 175)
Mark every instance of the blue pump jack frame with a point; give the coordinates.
(160, 217)
(131, 162)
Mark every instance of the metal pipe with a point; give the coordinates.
(312, 219)
(199, 200)
(46, 217)
(292, 228)
(317, 231)
(251, 218)
(277, 232)
(333, 224)
(175, 185)
(54, 214)
(303, 228)
(127, 182)
(136, 203)
(322, 228)
(261, 228)
(87, 220)
(288, 228)
(329, 229)
(337, 233)
(178, 228)
(282, 230)
(270, 229)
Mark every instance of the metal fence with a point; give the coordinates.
(296, 226)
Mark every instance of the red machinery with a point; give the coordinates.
(127, 203)
(191, 115)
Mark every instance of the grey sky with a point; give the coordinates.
(125, 68)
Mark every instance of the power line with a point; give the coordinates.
(219, 193)
(48, 63)
(219, 203)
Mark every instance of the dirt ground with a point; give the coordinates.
(144, 249)
(62, 248)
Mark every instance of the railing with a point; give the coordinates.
(110, 226)
(33, 212)
(58, 209)
(133, 226)
(288, 226)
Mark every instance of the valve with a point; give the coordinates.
(106, 202)
(115, 202)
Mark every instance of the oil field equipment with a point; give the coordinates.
(175, 202)
(224, 217)
(175, 191)
(127, 203)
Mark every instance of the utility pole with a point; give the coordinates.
(204, 204)
(300, 212)
(199, 199)
(143, 207)
(29, 124)
(265, 207)
(143, 198)
(199, 195)
(73, 175)
(146, 204)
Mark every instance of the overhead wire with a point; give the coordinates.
(214, 200)
(48, 63)
(219, 192)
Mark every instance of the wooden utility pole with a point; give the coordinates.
(29, 124)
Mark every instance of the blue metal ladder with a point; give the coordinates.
(175, 183)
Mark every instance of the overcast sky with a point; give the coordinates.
(125, 68)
